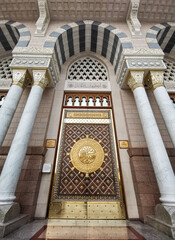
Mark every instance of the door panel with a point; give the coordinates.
(87, 179)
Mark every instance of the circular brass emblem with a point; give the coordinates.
(87, 155)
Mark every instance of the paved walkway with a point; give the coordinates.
(86, 229)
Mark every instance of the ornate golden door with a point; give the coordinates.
(87, 182)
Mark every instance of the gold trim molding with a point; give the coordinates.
(91, 115)
(21, 78)
(155, 79)
(135, 79)
(41, 78)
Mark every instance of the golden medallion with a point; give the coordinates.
(87, 155)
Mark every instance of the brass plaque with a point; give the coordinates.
(74, 210)
(123, 144)
(50, 143)
(87, 210)
(105, 210)
(91, 115)
(87, 155)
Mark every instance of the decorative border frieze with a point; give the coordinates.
(141, 63)
(30, 62)
(85, 85)
(145, 63)
(38, 63)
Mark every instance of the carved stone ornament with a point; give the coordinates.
(155, 79)
(44, 18)
(145, 63)
(41, 78)
(132, 19)
(135, 79)
(32, 50)
(40, 62)
(138, 63)
(144, 51)
(21, 78)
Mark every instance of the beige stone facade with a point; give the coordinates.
(120, 41)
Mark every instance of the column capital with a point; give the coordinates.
(135, 79)
(154, 79)
(21, 77)
(41, 78)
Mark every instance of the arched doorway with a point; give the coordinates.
(87, 182)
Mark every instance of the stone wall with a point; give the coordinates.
(41, 122)
(30, 177)
(146, 188)
(135, 132)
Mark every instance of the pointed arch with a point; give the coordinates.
(76, 37)
(13, 34)
(162, 36)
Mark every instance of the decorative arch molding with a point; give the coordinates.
(162, 36)
(77, 37)
(13, 34)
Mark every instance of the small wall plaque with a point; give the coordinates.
(123, 144)
(46, 168)
(50, 143)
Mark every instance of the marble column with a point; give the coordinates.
(21, 79)
(155, 82)
(159, 158)
(13, 164)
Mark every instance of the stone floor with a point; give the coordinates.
(86, 229)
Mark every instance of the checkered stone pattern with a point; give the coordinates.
(19, 10)
(74, 185)
(12, 34)
(156, 11)
(87, 69)
(97, 37)
(106, 10)
(162, 36)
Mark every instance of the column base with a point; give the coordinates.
(12, 225)
(10, 218)
(9, 212)
(164, 220)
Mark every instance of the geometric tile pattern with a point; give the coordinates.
(169, 74)
(87, 68)
(5, 71)
(12, 34)
(162, 36)
(99, 185)
(76, 37)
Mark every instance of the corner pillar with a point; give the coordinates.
(155, 82)
(21, 79)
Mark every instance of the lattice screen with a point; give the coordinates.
(5, 71)
(88, 69)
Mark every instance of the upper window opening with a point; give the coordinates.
(87, 69)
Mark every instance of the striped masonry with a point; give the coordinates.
(97, 37)
(13, 34)
(162, 36)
